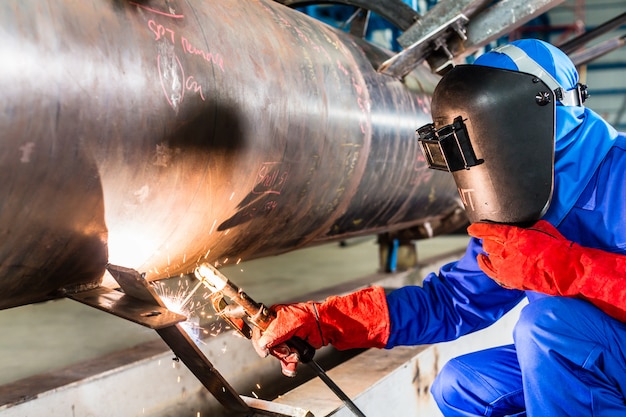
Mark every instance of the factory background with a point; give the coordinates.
(605, 75)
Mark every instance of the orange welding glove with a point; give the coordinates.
(357, 320)
(540, 259)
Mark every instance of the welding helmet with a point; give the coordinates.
(494, 129)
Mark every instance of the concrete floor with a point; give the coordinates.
(48, 336)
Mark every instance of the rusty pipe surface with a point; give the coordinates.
(156, 134)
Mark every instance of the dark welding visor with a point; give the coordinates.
(494, 130)
(447, 148)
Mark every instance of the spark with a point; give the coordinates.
(215, 328)
(238, 261)
(191, 293)
(255, 396)
(179, 299)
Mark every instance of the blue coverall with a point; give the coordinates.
(568, 357)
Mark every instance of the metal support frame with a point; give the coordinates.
(434, 42)
(140, 303)
(134, 284)
(395, 12)
(501, 19)
(454, 29)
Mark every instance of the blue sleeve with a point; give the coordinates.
(457, 301)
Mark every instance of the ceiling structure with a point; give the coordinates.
(606, 75)
(556, 21)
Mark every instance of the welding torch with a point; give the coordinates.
(243, 310)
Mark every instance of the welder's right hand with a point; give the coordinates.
(357, 320)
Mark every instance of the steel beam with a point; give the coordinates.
(502, 18)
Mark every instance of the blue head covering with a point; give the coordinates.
(582, 137)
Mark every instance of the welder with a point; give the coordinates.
(569, 352)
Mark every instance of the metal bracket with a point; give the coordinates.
(128, 307)
(134, 284)
(139, 302)
(446, 35)
(433, 42)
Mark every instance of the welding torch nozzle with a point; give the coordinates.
(211, 277)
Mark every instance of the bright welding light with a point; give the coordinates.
(210, 277)
(178, 301)
(131, 248)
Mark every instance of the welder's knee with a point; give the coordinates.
(570, 357)
(454, 390)
(552, 327)
(482, 383)
(541, 320)
(527, 322)
(447, 389)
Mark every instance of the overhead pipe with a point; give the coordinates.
(586, 55)
(574, 44)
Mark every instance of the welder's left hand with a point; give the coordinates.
(540, 259)
(287, 356)
(515, 257)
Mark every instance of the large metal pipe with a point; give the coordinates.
(153, 134)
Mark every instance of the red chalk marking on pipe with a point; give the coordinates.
(193, 86)
(177, 94)
(172, 77)
(207, 56)
(159, 30)
(150, 9)
(272, 176)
